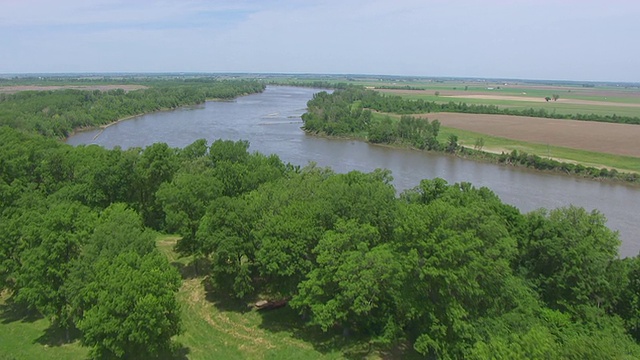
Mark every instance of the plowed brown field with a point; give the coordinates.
(618, 139)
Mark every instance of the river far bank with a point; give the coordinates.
(506, 159)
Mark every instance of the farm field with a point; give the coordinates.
(589, 143)
(497, 145)
(616, 139)
(622, 99)
(601, 102)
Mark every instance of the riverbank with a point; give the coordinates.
(105, 126)
(551, 166)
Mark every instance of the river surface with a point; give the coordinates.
(271, 122)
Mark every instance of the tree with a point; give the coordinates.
(157, 164)
(355, 285)
(225, 233)
(479, 144)
(382, 131)
(628, 304)
(45, 268)
(569, 254)
(185, 200)
(135, 312)
(547, 99)
(452, 144)
(555, 97)
(119, 229)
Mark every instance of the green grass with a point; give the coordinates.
(25, 336)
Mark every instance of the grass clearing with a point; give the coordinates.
(25, 336)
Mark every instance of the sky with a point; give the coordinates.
(581, 40)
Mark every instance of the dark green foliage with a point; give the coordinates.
(569, 255)
(534, 161)
(449, 269)
(60, 233)
(628, 304)
(134, 311)
(342, 113)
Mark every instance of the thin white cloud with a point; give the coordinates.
(584, 39)
(82, 12)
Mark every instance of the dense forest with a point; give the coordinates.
(56, 113)
(348, 112)
(446, 267)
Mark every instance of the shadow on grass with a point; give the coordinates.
(11, 312)
(176, 352)
(350, 345)
(56, 336)
(286, 319)
(193, 269)
(222, 300)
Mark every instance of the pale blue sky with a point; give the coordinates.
(541, 39)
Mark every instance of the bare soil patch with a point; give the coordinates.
(618, 139)
(18, 88)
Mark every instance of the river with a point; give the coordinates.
(271, 122)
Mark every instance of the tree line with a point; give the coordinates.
(349, 113)
(447, 268)
(57, 113)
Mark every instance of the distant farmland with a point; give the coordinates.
(617, 139)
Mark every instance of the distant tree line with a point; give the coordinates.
(349, 113)
(316, 84)
(449, 269)
(399, 87)
(373, 100)
(57, 113)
